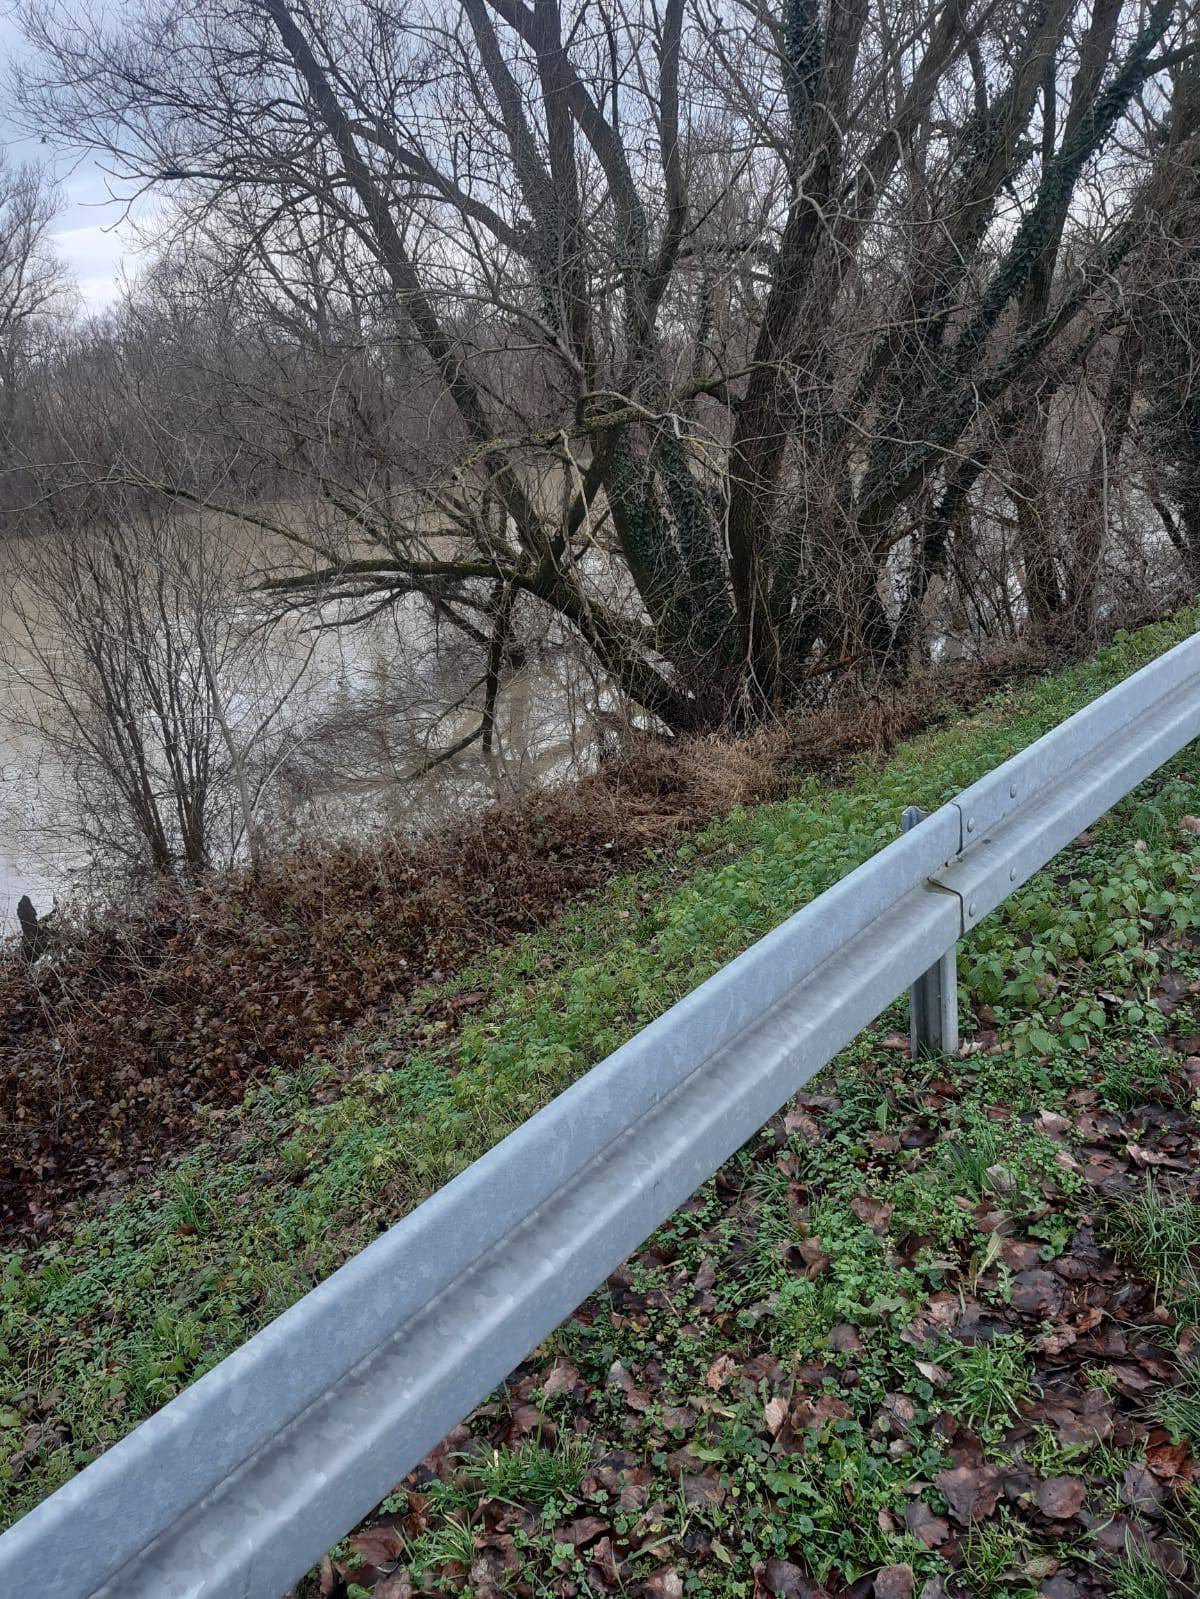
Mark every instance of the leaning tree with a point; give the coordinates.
(708, 329)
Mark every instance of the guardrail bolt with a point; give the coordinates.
(933, 998)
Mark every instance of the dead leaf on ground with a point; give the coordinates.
(923, 1524)
(816, 1412)
(875, 1213)
(1037, 1293)
(1154, 1157)
(379, 1546)
(560, 1379)
(1054, 1125)
(581, 1531)
(972, 1492)
(894, 1582)
(775, 1414)
(1141, 1489)
(701, 1489)
(1171, 1463)
(932, 1372)
(722, 1369)
(782, 1578)
(1056, 1340)
(1061, 1497)
(636, 1398)
(844, 1339)
(799, 1121)
(393, 1588)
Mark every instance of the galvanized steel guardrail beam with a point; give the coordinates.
(238, 1485)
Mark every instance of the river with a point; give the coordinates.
(364, 709)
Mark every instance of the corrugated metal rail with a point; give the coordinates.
(237, 1486)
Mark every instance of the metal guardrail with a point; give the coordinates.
(241, 1483)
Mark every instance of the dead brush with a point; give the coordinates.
(116, 1048)
(699, 777)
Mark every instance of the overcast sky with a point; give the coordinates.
(90, 233)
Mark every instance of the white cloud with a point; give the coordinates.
(96, 254)
(93, 234)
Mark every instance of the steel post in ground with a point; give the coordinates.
(933, 998)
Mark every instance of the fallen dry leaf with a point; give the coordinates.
(923, 1524)
(1061, 1497)
(894, 1582)
(1055, 1341)
(393, 1588)
(560, 1379)
(797, 1121)
(1154, 1157)
(529, 1419)
(701, 1489)
(1171, 1463)
(1141, 1489)
(1037, 1293)
(775, 1414)
(932, 1372)
(875, 1213)
(581, 1531)
(719, 1373)
(1078, 1419)
(636, 1398)
(379, 1546)
(788, 1581)
(604, 1560)
(971, 1492)
(1052, 1124)
(816, 1412)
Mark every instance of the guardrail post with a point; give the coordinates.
(933, 998)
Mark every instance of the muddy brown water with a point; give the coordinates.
(365, 709)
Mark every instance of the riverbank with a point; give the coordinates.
(98, 1329)
(138, 1035)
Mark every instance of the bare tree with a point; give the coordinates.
(158, 696)
(33, 282)
(707, 330)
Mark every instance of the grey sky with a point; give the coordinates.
(91, 234)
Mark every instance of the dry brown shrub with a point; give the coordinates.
(111, 1045)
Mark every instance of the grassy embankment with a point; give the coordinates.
(97, 1331)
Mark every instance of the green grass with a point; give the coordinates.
(1137, 1577)
(1132, 1077)
(1159, 1233)
(974, 1162)
(1178, 1408)
(451, 1539)
(546, 1478)
(98, 1331)
(993, 1555)
(988, 1381)
(534, 1473)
